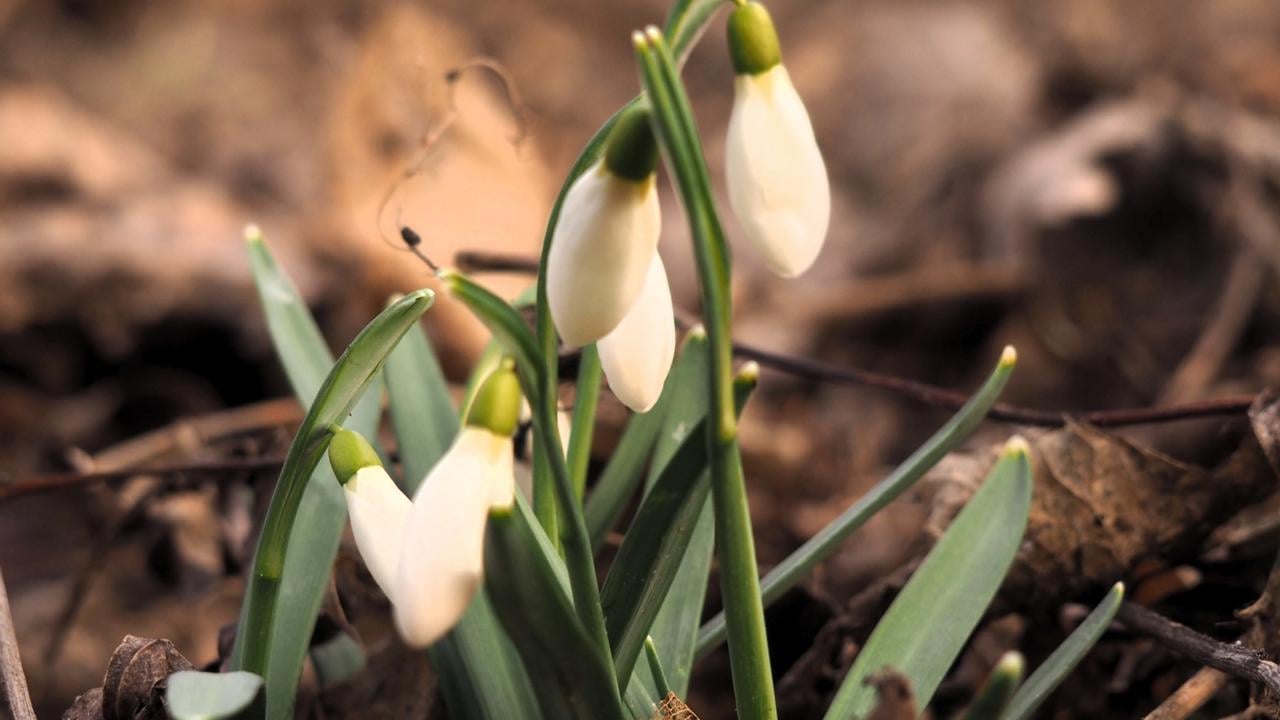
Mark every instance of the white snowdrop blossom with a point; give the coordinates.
(442, 560)
(776, 177)
(428, 555)
(637, 354)
(606, 235)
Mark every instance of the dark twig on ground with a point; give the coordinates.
(921, 392)
(1234, 659)
(13, 682)
(230, 467)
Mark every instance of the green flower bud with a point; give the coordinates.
(496, 405)
(631, 151)
(348, 453)
(753, 41)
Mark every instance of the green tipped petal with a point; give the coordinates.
(632, 151)
(753, 41)
(496, 406)
(348, 452)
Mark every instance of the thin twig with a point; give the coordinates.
(34, 484)
(13, 683)
(1234, 659)
(921, 392)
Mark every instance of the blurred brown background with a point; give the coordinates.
(1093, 181)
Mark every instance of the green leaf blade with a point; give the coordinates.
(827, 541)
(194, 695)
(932, 617)
(1065, 658)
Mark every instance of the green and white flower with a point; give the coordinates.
(606, 236)
(776, 177)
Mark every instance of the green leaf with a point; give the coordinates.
(625, 470)
(798, 564)
(1059, 665)
(293, 560)
(193, 695)
(571, 678)
(675, 628)
(312, 545)
(584, 418)
(932, 617)
(656, 542)
(422, 412)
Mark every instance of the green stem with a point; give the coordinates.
(584, 418)
(544, 498)
(735, 545)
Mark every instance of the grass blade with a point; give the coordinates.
(1062, 661)
(422, 412)
(277, 616)
(994, 695)
(796, 566)
(656, 542)
(571, 677)
(312, 545)
(931, 619)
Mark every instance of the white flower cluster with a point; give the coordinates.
(605, 281)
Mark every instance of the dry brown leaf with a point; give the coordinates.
(134, 686)
(1103, 503)
(1264, 417)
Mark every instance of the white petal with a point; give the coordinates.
(776, 178)
(379, 513)
(600, 251)
(442, 560)
(637, 354)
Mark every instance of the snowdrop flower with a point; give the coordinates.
(442, 559)
(428, 555)
(776, 177)
(637, 354)
(606, 236)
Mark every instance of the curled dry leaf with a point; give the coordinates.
(1103, 503)
(134, 686)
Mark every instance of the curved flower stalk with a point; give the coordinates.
(607, 235)
(637, 354)
(776, 178)
(428, 555)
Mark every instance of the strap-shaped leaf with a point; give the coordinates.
(675, 628)
(312, 545)
(422, 412)
(193, 695)
(798, 564)
(1063, 660)
(930, 620)
(571, 678)
(290, 569)
(656, 542)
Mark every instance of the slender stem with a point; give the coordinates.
(584, 418)
(544, 498)
(735, 545)
(1235, 659)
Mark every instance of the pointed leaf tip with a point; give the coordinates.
(1009, 356)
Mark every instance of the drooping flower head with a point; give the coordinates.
(378, 510)
(442, 555)
(607, 235)
(776, 178)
